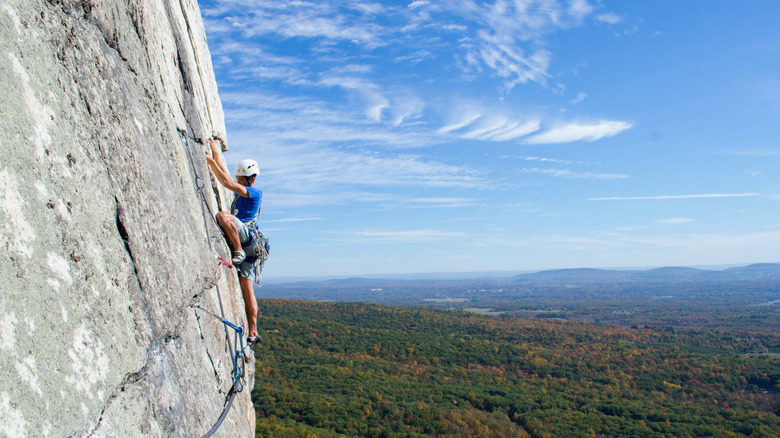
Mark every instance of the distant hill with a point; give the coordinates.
(759, 270)
(667, 274)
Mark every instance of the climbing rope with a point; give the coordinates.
(238, 357)
(239, 371)
(199, 184)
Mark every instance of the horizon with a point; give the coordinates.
(475, 275)
(483, 136)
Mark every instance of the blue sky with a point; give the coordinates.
(462, 135)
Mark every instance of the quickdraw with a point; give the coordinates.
(225, 262)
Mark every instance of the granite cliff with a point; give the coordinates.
(106, 228)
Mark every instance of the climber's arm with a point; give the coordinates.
(218, 166)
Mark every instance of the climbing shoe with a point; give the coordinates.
(252, 340)
(238, 257)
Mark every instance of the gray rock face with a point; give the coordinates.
(107, 237)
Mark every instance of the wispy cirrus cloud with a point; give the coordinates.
(676, 221)
(339, 111)
(609, 18)
(307, 120)
(665, 197)
(308, 174)
(403, 236)
(500, 38)
(566, 173)
(580, 97)
(336, 21)
(545, 159)
(472, 121)
(753, 152)
(315, 46)
(311, 168)
(311, 153)
(295, 219)
(508, 37)
(499, 129)
(448, 202)
(475, 122)
(572, 132)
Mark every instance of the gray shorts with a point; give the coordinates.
(243, 231)
(245, 269)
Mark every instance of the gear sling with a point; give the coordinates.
(257, 248)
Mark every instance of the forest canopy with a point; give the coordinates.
(350, 369)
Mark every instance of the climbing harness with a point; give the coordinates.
(257, 248)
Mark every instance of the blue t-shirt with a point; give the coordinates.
(245, 209)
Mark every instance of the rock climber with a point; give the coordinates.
(243, 214)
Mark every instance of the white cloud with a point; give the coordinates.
(566, 173)
(310, 168)
(662, 197)
(465, 120)
(708, 248)
(755, 152)
(311, 20)
(455, 27)
(579, 132)
(391, 106)
(439, 202)
(294, 219)
(405, 236)
(296, 176)
(312, 154)
(664, 250)
(369, 8)
(503, 38)
(352, 68)
(510, 39)
(405, 107)
(579, 9)
(475, 123)
(502, 130)
(301, 120)
(418, 4)
(580, 97)
(609, 18)
(631, 30)
(675, 221)
(548, 241)
(544, 159)
(516, 130)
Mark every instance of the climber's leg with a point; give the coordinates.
(227, 222)
(250, 303)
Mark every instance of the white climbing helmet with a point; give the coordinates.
(247, 168)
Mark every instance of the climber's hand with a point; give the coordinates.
(213, 151)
